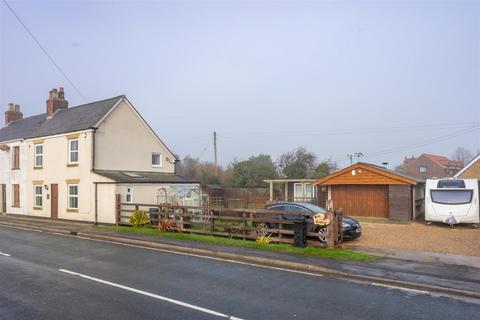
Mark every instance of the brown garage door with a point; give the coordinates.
(361, 200)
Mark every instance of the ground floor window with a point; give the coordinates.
(15, 195)
(38, 200)
(129, 197)
(72, 196)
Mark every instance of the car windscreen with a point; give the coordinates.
(313, 208)
(452, 196)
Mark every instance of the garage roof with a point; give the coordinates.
(367, 173)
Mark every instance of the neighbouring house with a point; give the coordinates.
(365, 189)
(72, 162)
(293, 190)
(13, 162)
(430, 166)
(471, 170)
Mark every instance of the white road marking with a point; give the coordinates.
(4, 254)
(152, 295)
(400, 288)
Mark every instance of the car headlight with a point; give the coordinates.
(345, 225)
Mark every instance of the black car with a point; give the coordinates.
(351, 227)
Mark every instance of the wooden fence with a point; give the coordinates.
(246, 224)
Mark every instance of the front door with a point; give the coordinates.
(3, 198)
(54, 201)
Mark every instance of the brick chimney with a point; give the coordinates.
(13, 113)
(56, 101)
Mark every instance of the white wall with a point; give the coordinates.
(9, 176)
(158, 193)
(56, 171)
(124, 142)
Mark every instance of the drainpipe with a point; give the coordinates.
(94, 129)
(96, 203)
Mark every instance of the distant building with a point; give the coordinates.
(430, 166)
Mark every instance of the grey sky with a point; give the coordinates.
(267, 76)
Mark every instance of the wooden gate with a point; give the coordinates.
(362, 200)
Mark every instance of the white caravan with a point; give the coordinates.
(452, 201)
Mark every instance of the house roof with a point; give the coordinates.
(382, 171)
(65, 120)
(121, 176)
(288, 180)
(465, 168)
(442, 161)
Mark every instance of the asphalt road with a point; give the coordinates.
(45, 276)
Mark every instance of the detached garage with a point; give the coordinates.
(364, 189)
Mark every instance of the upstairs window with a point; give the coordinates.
(422, 169)
(39, 155)
(73, 151)
(16, 157)
(156, 160)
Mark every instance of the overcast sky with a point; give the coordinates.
(386, 79)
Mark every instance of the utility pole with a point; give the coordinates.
(215, 151)
(358, 155)
(350, 156)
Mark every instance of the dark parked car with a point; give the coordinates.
(351, 227)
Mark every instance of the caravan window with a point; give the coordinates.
(452, 196)
(451, 184)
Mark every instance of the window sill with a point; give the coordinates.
(156, 166)
(72, 164)
(37, 208)
(15, 168)
(72, 210)
(38, 168)
(15, 206)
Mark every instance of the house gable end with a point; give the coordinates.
(124, 141)
(364, 174)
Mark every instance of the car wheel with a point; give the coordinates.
(261, 229)
(322, 234)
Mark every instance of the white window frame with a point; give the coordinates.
(69, 195)
(129, 193)
(37, 195)
(70, 151)
(295, 195)
(38, 155)
(309, 186)
(160, 160)
(422, 167)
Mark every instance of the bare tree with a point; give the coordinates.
(298, 163)
(462, 154)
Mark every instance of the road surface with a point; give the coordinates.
(47, 276)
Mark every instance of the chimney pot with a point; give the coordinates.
(56, 101)
(13, 113)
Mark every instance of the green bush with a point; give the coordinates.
(139, 219)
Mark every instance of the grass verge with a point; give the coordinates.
(339, 254)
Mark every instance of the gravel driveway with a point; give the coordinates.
(439, 238)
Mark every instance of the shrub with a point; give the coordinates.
(139, 219)
(264, 239)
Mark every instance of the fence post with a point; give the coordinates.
(331, 229)
(118, 210)
(244, 220)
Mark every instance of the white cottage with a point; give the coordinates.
(75, 161)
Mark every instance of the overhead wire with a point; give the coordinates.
(64, 74)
